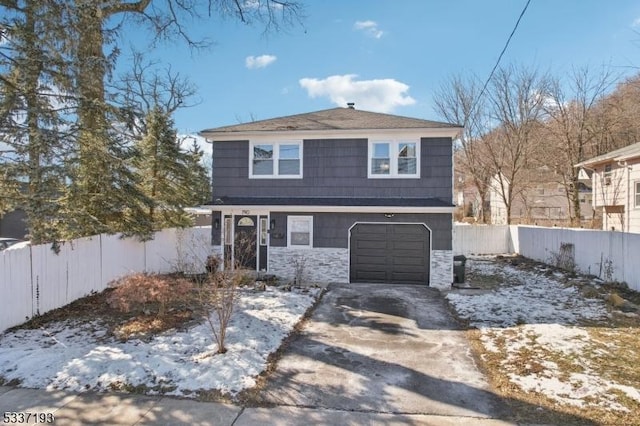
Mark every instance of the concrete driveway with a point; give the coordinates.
(383, 349)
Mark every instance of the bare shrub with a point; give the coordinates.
(144, 292)
(299, 269)
(565, 258)
(217, 300)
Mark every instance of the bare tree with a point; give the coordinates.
(571, 108)
(516, 105)
(458, 101)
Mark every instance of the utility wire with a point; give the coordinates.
(504, 49)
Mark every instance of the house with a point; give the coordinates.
(616, 187)
(342, 194)
(541, 201)
(13, 224)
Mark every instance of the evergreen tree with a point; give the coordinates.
(200, 177)
(166, 171)
(32, 82)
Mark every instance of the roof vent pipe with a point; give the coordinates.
(351, 105)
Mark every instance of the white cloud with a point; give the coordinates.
(636, 23)
(262, 61)
(369, 27)
(373, 95)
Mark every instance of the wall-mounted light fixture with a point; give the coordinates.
(216, 223)
(389, 215)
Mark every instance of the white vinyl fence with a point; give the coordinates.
(609, 255)
(482, 239)
(35, 279)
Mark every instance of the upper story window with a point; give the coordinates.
(607, 174)
(394, 159)
(636, 192)
(275, 159)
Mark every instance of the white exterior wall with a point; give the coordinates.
(619, 192)
(34, 279)
(633, 211)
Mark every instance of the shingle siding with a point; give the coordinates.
(336, 167)
(330, 230)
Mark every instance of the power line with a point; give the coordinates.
(504, 49)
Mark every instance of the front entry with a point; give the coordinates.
(245, 241)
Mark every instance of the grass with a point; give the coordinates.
(609, 354)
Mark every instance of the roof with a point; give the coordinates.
(331, 201)
(622, 154)
(331, 119)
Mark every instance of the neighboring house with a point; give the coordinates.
(616, 187)
(13, 224)
(341, 194)
(542, 202)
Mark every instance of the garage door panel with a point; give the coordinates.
(371, 276)
(407, 246)
(390, 253)
(406, 277)
(409, 261)
(376, 245)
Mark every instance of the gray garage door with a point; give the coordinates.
(389, 253)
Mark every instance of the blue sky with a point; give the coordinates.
(388, 56)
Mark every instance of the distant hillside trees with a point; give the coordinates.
(526, 123)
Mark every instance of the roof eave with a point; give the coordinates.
(212, 135)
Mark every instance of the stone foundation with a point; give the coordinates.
(441, 269)
(321, 265)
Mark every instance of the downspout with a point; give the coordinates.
(627, 207)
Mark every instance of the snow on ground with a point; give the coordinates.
(526, 297)
(80, 356)
(531, 320)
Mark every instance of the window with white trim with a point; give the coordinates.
(636, 193)
(394, 159)
(300, 231)
(275, 159)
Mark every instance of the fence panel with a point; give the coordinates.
(481, 239)
(83, 266)
(606, 254)
(161, 251)
(120, 257)
(15, 287)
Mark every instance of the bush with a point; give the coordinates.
(141, 292)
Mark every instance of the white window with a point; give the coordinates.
(607, 174)
(637, 193)
(394, 159)
(300, 231)
(275, 159)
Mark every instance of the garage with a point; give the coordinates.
(389, 253)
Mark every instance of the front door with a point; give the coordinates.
(245, 241)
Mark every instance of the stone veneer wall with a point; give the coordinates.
(441, 269)
(322, 265)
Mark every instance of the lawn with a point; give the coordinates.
(89, 346)
(550, 339)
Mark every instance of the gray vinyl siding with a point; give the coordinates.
(333, 168)
(331, 229)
